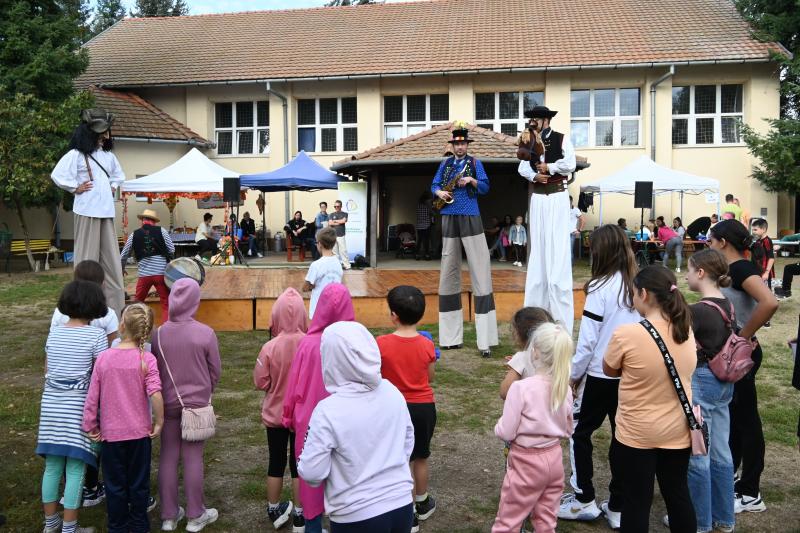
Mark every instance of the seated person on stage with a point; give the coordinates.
(204, 237)
(296, 229)
(249, 233)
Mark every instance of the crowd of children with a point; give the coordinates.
(370, 473)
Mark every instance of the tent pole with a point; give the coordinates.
(681, 206)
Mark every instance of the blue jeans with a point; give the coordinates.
(575, 238)
(711, 476)
(674, 246)
(314, 525)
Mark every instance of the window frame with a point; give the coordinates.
(404, 124)
(616, 119)
(234, 130)
(318, 127)
(497, 122)
(691, 117)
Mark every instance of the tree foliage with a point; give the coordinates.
(107, 13)
(160, 8)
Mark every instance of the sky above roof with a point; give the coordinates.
(200, 7)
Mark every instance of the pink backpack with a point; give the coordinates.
(734, 360)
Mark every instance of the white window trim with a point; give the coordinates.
(255, 128)
(616, 118)
(520, 121)
(691, 118)
(405, 124)
(339, 127)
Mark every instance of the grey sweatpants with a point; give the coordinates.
(96, 239)
(465, 230)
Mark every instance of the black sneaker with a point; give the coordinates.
(95, 496)
(280, 514)
(766, 325)
(151, 503)
(415, 524)
(486, 354)
(425, 508)
(298, 523)
(453, 347)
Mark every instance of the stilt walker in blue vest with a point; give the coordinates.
(457, 185)
(549, 280)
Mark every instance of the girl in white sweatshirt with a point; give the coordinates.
(360, 438)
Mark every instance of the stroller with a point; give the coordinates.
(407, 235)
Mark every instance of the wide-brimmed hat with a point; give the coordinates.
(540, 111)
(148, 213)
(99, 120)
(461, 135)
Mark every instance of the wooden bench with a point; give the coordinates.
(295, 243)
(38, 246)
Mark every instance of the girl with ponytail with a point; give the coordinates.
(536, 414)
(652, 436)
(118, 413)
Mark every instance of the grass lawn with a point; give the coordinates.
(467, 460)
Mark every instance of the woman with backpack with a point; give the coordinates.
(754, 304)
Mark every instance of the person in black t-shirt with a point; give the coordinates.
(249, 232)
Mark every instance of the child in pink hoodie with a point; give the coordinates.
(536, 414)
(271, 373)
(305, 388)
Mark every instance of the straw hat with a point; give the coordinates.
(148, 213)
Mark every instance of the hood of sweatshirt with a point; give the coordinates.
(334, 305)
(351, 359)
(289, 314)
(184, 299)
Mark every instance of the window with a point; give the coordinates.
(706, 114)
(605, 117)
(241, 127)
(327, 125)
(505, 112)
(407, 115)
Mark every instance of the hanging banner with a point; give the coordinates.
(353, 196)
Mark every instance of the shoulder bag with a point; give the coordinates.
(735, 359)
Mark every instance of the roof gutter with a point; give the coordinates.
(191, 142)
(285, 104)
(508, 70)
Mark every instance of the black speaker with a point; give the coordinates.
(230, 189)
(643, 195)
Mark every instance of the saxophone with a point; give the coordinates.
(450, 186)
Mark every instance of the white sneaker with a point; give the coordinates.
(172, 525)
(259, 254)
(678, 270)
(614, 518)
(197, 257)
(748, 504)
(249, 253)
(197, 524)
(571, 509)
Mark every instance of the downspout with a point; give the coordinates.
(653, 86)
(285, 104)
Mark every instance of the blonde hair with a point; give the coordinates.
(138, 321)
(554, 346)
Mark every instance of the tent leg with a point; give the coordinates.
(681, 206)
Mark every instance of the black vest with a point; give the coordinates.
(148, 241)
(553, 150)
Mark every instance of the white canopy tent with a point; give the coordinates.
(665, 181)
(192, 173)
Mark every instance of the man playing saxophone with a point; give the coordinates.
(462, 225)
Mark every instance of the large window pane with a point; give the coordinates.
(509, 105)
(731, 98)
(510, 129)
(223, 115)
(604, 133)
(704, 131)
(484, 106)
(245, 141)
(531, 99)
(629, 102)
(306, 113)
(263, 113)
(413, 129)
(579, 132)
(393, 133)
(705, 99)
(415, 108)
(224, 142)
(604, 103)
(440, 107)
(393, 109)
(680, 131)
(730, 129)
(579, 104)
(328, 114)
(263, 141)
(680, 100)
(244, 114)
(629, 132)
(350, 139)
(328, 138)
(349, 113)
(307, 139)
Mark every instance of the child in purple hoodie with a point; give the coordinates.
(192, 352)
(305, 388)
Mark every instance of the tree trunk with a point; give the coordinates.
(24, 226)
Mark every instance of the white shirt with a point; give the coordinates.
(321, 273)
(109, 323)
(203, 232)
(70, 172)
(522, 364)
(574, 216)
(564, 166)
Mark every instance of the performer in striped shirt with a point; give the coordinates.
(153, 248)
(71, 351)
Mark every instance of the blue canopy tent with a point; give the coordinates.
(301, 174)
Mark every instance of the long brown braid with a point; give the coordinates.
(138, 320)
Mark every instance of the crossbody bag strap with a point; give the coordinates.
(673, 373)
(99, 165)
(164, 357)
(88, 168)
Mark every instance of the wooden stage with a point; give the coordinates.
(240, 299)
